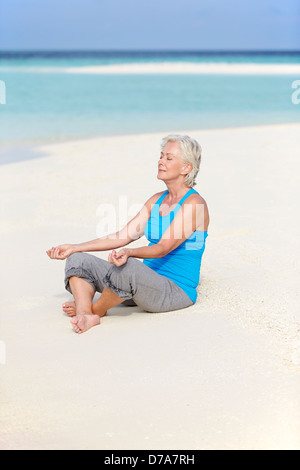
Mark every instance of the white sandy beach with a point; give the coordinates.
(222, 374)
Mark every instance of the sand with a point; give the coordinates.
(222, 374)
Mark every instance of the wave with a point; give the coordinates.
(167, 68)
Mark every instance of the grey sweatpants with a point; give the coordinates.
(134, 282)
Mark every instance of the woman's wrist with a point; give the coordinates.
(76, 249)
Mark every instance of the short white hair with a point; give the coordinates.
(190, 153)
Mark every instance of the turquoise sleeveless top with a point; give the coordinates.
(181, 265)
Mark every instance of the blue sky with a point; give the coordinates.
(150, 24)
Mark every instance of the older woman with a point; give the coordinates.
(175, 223)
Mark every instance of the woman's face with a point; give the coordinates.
(170, 164)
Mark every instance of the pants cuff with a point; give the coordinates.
(77, 272)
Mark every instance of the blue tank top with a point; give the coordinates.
(181, 265)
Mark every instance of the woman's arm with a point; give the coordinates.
(132, 231)
(187, 220)
(192, 215)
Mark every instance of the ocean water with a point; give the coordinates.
(46, 103)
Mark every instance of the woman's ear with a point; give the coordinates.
(187, 167)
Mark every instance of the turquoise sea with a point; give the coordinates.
(46, 103)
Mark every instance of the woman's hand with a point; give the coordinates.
(61, 251)
(118, 258)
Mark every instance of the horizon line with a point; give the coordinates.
(176, 51)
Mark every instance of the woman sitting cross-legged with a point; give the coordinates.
(174, 221)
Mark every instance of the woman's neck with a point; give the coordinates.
(176, 191)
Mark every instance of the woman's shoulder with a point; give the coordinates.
(154, 198)
(150, 203)
(196, 199)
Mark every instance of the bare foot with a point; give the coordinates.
(69, 308)
(82, 323)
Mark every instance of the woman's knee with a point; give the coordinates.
(79, 265)
(76, 260)
(122, 277)
(125, 271)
